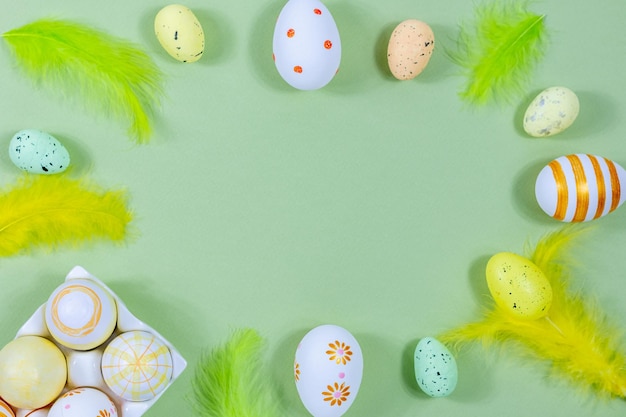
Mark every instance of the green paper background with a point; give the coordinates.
(372, 203)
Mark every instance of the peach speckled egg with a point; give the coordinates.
(580, 187)
(410, 47)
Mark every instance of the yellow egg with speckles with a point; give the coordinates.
(518, 286)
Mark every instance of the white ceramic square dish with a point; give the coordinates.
(84, 369)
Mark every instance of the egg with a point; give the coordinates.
(410, 47)
(518, 286)
(6, 410)
(580, 187)
(137, 365)
(328, 369)
(436, 371)
(38, 152)
(306, 44)
(80, 314)
(83, 402)
(33, 372)
(180, 33)
(551, 112)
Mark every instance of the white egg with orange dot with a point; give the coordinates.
(137, 365)
(307, 47)
(80, 314)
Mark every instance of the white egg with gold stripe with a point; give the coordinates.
(580, 187)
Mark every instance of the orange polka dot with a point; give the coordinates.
(328, 44)
(273, 57)
(291, 33)
(317, 11)
(297, 69)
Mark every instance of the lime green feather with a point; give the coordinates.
(232, 380)
(109, 75)
(577, 338)
(52, 211)
(499, 51)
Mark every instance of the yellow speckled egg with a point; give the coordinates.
(179, 32)
(80, 314)
(518, 286)
(137, 365)
(410, 47)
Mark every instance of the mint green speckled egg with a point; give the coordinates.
(38, 152)
(436, 371)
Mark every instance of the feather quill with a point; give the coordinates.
(499, 51)
(50, 211)
(231, 380)
(112, 76)
(576, 338)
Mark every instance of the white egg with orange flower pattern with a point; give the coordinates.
(83, 402)
(328, 370)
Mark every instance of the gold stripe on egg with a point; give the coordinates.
(561, 190)
(615, 185)
(582, 188)
(600, 184)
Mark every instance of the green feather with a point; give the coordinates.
(112, 76)
(499, 51)
(232, 381)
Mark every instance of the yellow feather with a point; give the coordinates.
(576, 337)
(53, 210)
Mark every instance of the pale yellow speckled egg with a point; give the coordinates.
(518, 286)
(551, 112)
(410, 47)
(179, 32)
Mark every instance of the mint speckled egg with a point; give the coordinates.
(436, 371)
(38, 152)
